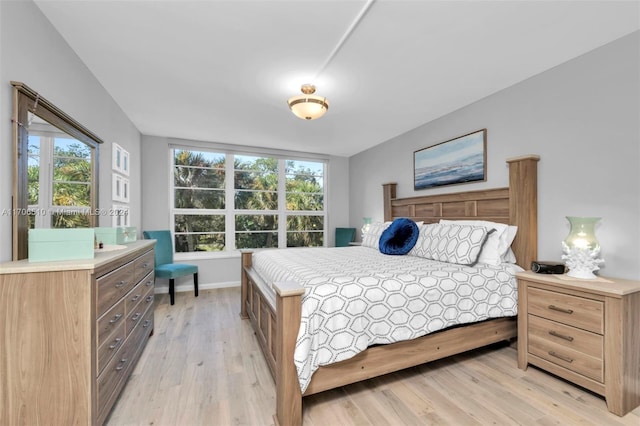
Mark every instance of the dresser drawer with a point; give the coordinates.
(575, 311)
(110, 322)
(143, 265)
(110, 346)
(113, 286)
(142, 332)
(112, 377)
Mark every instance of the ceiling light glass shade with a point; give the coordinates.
(308, 106)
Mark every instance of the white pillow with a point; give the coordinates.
(495, 250)
(424, 240)
(452, 243)
(372, 237)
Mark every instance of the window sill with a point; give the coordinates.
(179, 257)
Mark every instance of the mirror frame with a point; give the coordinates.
(27, 100)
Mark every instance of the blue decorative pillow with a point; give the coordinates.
(399, 237)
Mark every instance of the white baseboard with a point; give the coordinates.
(164, 286)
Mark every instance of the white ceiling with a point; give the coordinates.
(222, 71)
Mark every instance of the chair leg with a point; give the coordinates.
(195, 283)
(172, 292)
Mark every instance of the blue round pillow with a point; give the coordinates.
(399, 237)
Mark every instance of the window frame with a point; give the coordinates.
(230, 212)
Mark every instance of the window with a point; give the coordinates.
(59, 181)
(227, 201)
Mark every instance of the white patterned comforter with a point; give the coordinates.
(356, 297)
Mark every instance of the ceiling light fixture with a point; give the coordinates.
(308, 106)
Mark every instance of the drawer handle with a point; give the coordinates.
(146, 324)
(121, 284)
(145, 265)
(562, 336)
(136, 317)
(115, 343)
(149, 299)
(562, 357)
(136, 297)
(123, 361)
(563, 310)
(149, 283)
(115, 319)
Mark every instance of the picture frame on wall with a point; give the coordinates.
(120, 162)
(121, 216)
(120, 188)
(459, 160)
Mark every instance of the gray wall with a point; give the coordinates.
(32, 51)
(582, 118)
(223, 269)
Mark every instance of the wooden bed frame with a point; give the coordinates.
(277, 330)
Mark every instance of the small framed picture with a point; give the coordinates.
(120, 188)
(120, 162)
(116, 164)
(116, 187)
(121, 216)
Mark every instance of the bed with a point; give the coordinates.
(276, 316)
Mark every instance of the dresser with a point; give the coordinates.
(585, 331)
(71, 333)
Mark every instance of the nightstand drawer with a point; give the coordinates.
(590, 344)
(576, 311)
(566, 357)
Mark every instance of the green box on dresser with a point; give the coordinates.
(47, 245)
(116, 235)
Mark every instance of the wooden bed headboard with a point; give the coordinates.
(516, 205)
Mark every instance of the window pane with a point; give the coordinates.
(257, 222)
(72, 148)
(186, 243)
(303, 201)
(33, 172)
(256, 240)
(305, 239)
(199, 159)
(251, 200)
(199, 223)
(305, 223)
(260, 164)
(307, 167)
(199, 180)
(70, 220)
(71, 175)
(71, 194)
(190, 177)
(248, 229)
(199, 199)
(305, 185)
(255, 180)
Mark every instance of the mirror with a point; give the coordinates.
(55, 181)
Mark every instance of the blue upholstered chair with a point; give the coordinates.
(164, 266)
(344, 236)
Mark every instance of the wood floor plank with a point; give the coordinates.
(203, 366)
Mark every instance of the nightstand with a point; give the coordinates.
(585, 331)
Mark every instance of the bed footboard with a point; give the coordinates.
(276, 332)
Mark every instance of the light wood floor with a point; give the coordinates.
(203, 366)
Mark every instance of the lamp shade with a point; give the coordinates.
(581, 249)
(582, 233)
(308, 106)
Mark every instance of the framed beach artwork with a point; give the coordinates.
(459, 160)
